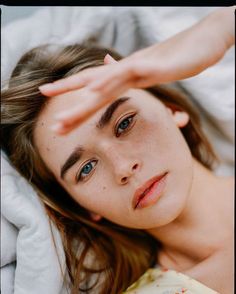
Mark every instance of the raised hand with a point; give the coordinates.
(182, 56)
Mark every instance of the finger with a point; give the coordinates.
(68, 120)
(78, 80)
(72, 118)
(109, 59)
(70, 83)
(118, 75)
(62, 86)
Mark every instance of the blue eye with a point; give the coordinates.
(86, 170)
(124, 125)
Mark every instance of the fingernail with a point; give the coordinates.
(110, 58)
(57, 127)
(46, 87)
(61, 115)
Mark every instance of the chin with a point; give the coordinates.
(167, 210)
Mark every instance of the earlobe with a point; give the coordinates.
(181, 118)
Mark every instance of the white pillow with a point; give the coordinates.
(38, 269)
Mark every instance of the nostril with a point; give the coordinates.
(135, 166)
(124, 180)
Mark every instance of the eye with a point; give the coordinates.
(86, 170)
(124, 125)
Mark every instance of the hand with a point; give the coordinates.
(182, 56)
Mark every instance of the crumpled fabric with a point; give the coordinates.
(28, 260)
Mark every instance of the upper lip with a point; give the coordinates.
(140, 192)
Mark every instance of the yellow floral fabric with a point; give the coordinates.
(162, 281)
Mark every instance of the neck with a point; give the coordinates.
(204, 223)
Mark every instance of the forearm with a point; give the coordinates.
(223, 20)
(219, 31)
(194, 49)
(182, 56)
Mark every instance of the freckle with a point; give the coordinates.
(54, 137)
(104, 188)
(48, 149)
(42, 124)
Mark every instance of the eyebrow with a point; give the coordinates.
(103, 121)
(107, 115)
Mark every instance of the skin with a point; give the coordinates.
(184, 55)
(118, 155)
(193, 219)
(196, 237)
(154, 144)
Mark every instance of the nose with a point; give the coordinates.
(124, 166)
(125, 172)
(122, 159)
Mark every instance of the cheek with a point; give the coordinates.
(94, 196)
(164, 144)
(154, 135)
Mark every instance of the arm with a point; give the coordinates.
(182, 56)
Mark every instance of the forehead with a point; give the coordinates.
(52, 147)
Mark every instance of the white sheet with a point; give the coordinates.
(25, 227)
(26, 237)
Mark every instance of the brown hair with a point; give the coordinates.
(95, 252)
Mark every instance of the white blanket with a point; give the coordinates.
(26, 236)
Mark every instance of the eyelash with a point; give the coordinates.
(129, 125)
(80, 177)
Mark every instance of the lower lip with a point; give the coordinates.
(154, 194)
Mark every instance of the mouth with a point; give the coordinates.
(149, 192)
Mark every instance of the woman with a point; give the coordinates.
(95, 191)
(121, 205)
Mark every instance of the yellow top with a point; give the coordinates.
(162, 281)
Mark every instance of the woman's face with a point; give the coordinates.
(103, 162)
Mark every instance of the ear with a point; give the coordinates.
(181, 118)
(108, 59)
(95, 217)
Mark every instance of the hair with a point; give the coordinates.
(98, 254)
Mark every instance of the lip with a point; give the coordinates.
(143, 198)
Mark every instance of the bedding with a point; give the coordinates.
(164, 281)
(28, 256)
(29, 263)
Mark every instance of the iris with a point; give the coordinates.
(87, 168)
